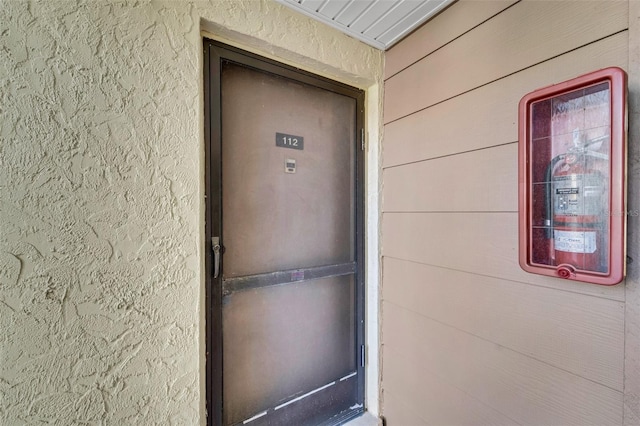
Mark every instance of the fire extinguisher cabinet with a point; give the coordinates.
(571, 178)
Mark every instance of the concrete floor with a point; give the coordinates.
(365, 420)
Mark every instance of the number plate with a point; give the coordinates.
(284, 140)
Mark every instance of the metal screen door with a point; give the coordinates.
(284, 293)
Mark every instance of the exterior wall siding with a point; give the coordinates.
(468, 337)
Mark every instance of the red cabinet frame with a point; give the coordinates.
(572, 178)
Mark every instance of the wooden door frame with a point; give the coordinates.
(214, 53)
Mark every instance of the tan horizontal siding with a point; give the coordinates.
(455, 20)
(474, 181)
(488, 116)
(399, 412)
(469, 337)
(524, 35)
(520, 387)
(432, 397)
(479, 243)
(577, 333)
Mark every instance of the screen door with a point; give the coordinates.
(283, 207)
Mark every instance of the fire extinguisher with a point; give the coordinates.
(576, 194)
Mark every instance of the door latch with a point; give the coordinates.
(215, 245)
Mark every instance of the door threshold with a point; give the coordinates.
(366, 419)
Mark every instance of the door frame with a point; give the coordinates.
(214, 53)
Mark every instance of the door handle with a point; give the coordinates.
(215, 245)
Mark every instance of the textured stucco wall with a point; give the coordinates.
(101, 200)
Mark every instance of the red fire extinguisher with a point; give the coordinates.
(577, 191)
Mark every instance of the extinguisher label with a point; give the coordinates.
(578, 194)
(575, 241)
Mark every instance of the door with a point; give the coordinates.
(284, 208)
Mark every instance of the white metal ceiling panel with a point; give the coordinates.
(380, 23)
(418, 16)
(352, 11)
(373, 14)
(399, 11)
(331, 9)
(311, 4)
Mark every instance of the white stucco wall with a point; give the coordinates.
(101, 197)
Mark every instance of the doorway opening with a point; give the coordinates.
(285, 234)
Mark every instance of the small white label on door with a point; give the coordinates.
(575, 241)
(289, 165)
